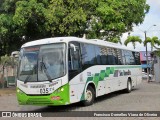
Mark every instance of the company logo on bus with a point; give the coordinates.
(37, 86)
(121, 73)
(24, 85)
(53, 84)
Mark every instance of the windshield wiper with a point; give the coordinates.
(29, 76)
(42, 65)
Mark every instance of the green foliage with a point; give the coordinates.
(5, 60)
(116, 16)
(9, 38)
(37, 19)
(30, 18)
(133, 40)
(8, 61)
(153, 41)
(157, 53)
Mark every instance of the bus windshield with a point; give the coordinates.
(42, 63)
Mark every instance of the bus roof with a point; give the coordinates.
(68, 39)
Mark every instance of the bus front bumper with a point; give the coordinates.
(56, 98)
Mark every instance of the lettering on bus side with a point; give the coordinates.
(127, 72)
(116, 73)
(121, 73)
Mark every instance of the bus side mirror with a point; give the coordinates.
(73, 46)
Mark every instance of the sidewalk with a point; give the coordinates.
(8, 91)
(152, 79)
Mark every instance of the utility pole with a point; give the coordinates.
(146, 57)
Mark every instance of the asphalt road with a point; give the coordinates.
(146, 97)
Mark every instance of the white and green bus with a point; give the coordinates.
(66, 70)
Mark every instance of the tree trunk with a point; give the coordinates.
(3, 82)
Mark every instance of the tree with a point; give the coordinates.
(36, 19)
(153, 41)
(5, 61)
(10, 39)
(116, 17)
(133, 40)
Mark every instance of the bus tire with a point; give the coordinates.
(129, 86)
(89, 96)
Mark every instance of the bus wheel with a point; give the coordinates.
(129, 86)
(89, 96)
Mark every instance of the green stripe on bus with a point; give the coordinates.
(99, 77)
(103, 74)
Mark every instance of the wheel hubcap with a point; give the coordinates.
(88, 95)
(129, 85)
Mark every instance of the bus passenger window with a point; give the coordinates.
(74, 60)
(88, 55)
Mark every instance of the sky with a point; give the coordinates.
(151, 18)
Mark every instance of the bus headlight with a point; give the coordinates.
(19, 91)
(61, 89)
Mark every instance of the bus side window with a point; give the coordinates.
(75, 64)
(88, 55)
(137, 58)
(74, 60)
